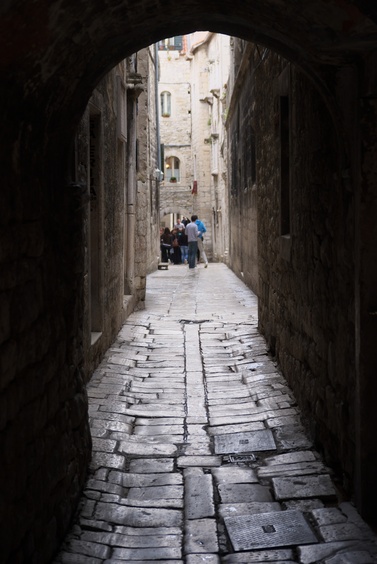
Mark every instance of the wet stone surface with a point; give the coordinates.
(199, 452)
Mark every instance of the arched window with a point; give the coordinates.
(165, 104)
(172, 169)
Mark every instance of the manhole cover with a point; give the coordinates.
(241, 458)
(268, 530)
(244, 442)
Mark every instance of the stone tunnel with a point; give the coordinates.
(53, 55)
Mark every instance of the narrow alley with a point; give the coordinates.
(199, 452)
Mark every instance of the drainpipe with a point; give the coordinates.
(159, 164)
(134, 89)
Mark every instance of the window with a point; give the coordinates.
(171, 44)
(165, 98)
(172, 169)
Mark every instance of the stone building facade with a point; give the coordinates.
(147, 243)
(210, 70)
(175, 95)
(115, 158)
(322, 327)
(192, 83)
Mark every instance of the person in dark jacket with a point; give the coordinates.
(166, 245)
(176, 254)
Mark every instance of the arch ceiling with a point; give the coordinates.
(53, 52)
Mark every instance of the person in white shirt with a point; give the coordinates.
(179, 225)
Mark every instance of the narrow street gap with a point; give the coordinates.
(199, 451)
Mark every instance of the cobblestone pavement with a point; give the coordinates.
(199, 454)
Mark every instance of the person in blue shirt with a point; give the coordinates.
(202, 229)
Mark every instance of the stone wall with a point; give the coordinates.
(305, 252)
(242, 175)
(44, 433)
(66, 305)
(104, 214)
(148, 197)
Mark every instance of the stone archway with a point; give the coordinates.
(53, 55)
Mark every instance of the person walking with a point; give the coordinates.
(192, 233)
(166, 242)
(183, 243)
(175, 256)
(202, 229)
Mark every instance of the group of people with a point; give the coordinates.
(184, 243)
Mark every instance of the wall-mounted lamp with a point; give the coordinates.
(158, 174)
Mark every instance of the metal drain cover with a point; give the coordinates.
(268, 530)
(235, 458)
(244, 442)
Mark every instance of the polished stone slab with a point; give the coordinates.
(105, 487)
(202, 559)
(304, 505)
(108, 460)
(170, 503)
(203, 461)
(199, 500)
(239, 493)
(155, 492)
(103, 445)
(134, 541)
(326, 551)
(299, 469)
(201, 536)
(292, 437)
(244, 442)
(304, 486)
(328, 516)
(151, 465)
(147, 531)
(341, 532)
(109, 425)
(144, 448)
(148, 421)
(138, 480)
(234, 475)
(138, 517)
(258, 414)
(285, 556)
(76, 558)
(92, 549)
(239, 427)
(250, 508)
(145, 554)
(291, 457)
(226, 408)
(198, 448)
